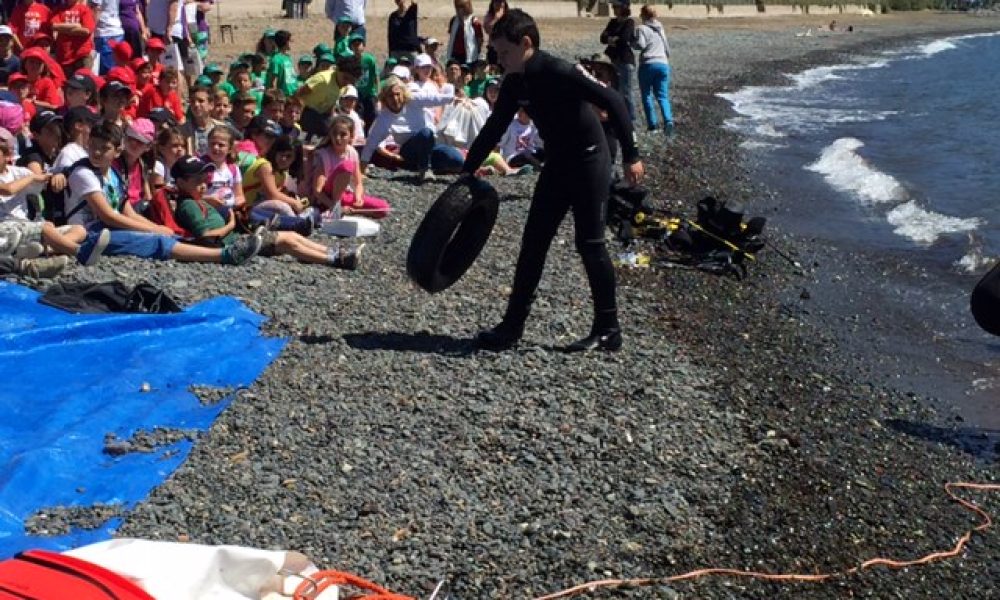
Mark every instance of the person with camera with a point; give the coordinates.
(576, 176)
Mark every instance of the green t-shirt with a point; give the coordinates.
(342, 48)
(477, 87)
(281, 74)
(199, 217)
(368, 84)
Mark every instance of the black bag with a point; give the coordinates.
(109, 297)
(985, 301)
(719, 222)
(625, 204)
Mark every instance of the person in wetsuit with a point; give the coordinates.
(576, 175)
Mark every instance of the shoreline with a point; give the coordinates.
(732, 431)
(821, 342)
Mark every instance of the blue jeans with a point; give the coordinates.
(133, 243)
(421, 153)
(625, 76)
(103, 47)
(654, 82)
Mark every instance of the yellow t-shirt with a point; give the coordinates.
(324, 91)
(252, 188)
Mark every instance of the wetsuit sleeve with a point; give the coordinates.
(581, 84)
(497, 123)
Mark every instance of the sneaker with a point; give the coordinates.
(428, 176)
(349, 258)
(30, 250)
(525, 170)
(242, 250)
(93, 247)
(43, 268)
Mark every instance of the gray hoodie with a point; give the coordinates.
(651, 43)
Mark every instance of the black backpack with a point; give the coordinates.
(720, 226)
(60, 212)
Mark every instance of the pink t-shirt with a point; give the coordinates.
(330, 163)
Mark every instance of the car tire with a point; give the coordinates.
(452, 234)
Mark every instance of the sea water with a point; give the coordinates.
(897, 155)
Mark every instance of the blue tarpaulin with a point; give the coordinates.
(67, 380)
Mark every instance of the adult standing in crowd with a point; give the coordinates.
(465, 34)
(403, 37)
(497, 9)
(109, 29)
(133, 16)
(618, 36)
(29, 18)
(349, 9)
(654, 69)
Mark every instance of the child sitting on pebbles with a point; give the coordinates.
(338, 181)
(201, 218)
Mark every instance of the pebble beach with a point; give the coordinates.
(734, 429)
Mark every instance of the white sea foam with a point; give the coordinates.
(755, 145)
(974, 260)
(932, 48)
(817, 75)
(773, 111)
(847, 171)
(924, 226)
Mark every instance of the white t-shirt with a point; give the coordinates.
(402, 125)
(519, 139)
(83, 181)
(15, 208)
(109, 24)
(161, 169)
(70, 154)
(223, 182)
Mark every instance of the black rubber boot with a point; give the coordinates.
(505, 335)
(605, 334)
(502, 337)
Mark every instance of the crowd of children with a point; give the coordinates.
(119, 138)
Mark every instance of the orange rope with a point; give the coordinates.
(985, 523)
(312, 586)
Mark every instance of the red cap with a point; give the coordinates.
(16, 78)
(97, 79)
(138, 63)
(121, 74)
(155, 44)
(40, 39)
(122, 52)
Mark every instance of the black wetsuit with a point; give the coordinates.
(557, 95)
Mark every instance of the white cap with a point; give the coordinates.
(423, 60)
(348, 91)
(401, 72)
(5, 30)
(431, 41)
